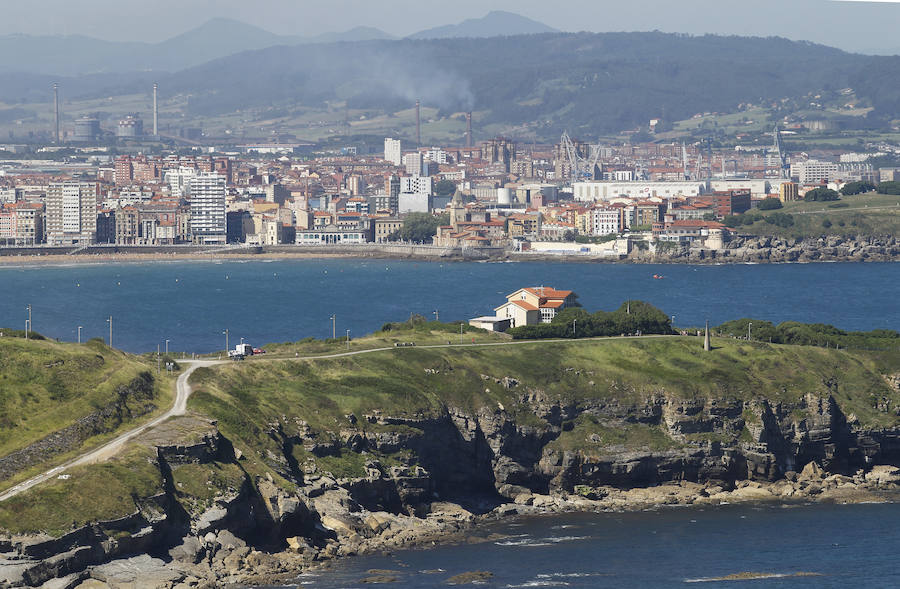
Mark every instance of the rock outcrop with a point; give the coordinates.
(447, 471)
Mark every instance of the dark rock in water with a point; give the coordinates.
(470, 577)
(378, 579)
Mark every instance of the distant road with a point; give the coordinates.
(183, 392)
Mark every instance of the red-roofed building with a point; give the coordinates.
(533, 305)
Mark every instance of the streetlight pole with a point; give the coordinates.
(226, 340)
(348, 340)
(333, 330)
(28, 323)
(79, 334)
(673, 322)
(167, 348)
(110, 330)
(460, 334)
(749, 325)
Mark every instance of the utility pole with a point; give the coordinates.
(79, 334)
(157, 358)
(749, 325)
(226, 340)
(333, 328)
(167, 348)
(573, 327)
(28, 322)
(110, 330)
(348, 340)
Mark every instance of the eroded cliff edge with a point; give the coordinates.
(289, 475)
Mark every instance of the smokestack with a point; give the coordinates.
(155, 112)
(56, 109)
(418, 127)
(469, 129)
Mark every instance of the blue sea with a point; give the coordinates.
(192, 303)
(843, 545)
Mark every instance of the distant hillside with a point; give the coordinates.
(542, 84)
(219, 37)
(495, 24)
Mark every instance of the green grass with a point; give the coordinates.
(46, 386)
(97, 492)
(418, 382)
(865, 214)
(592, 436)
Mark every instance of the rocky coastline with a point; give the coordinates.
(741, 249)
(461, 468)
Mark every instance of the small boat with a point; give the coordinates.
(658, 276)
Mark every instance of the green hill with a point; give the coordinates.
(55, 397)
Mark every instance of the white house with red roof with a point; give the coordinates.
(528, 306)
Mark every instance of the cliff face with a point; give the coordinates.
(476, 459)
(230, 494)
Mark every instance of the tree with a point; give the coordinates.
(821, 195)
(851, 188)
(889, 188)
(770, 203)
(421, 227)
(444, 188)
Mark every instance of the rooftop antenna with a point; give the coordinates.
(56, 110)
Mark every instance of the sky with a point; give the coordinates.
(862, 26)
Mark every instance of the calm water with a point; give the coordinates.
(849, 546)
(192, 303)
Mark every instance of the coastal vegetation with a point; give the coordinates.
(46, 387)
(865, 215)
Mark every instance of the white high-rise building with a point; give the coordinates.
(207, 197)
(393, 151)
(416, 185)
(72, 213)
(179, 181)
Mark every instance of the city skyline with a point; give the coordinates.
(819, 21)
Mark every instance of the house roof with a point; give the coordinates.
(521, 304)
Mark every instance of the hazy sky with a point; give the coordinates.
(859, 26)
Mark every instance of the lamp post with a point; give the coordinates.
(437, 316)
(749, 325)
(226, 340)
(573, 327)
(28, 323)
(79, 334)
(167, 348)
(109, 320)
(460, 333)
(673, 322)
(333, 330)
(348, 340)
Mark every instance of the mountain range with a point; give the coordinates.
(77, 55)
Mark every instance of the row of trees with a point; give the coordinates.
(810, 334)
(575, 322)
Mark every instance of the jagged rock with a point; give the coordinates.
(190, 550)
(812, 472)
(883, 475)
(138, 572)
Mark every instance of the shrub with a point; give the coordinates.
(820, 195)
(770, 203)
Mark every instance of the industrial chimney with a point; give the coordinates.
(155, 112)
(56, 110)
(418, 127)
(469, 129)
